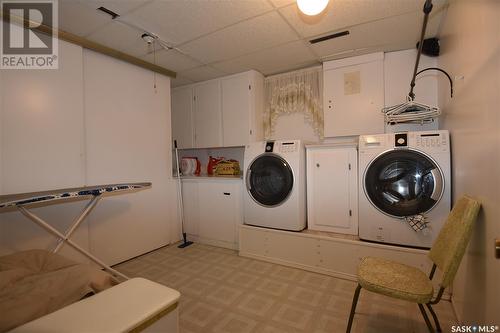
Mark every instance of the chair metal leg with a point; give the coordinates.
(434, 316)
(426, 318)
(353, 308)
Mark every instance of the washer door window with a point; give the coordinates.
(403, 183)
(269, 180)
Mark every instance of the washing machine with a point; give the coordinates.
(275, 195)
(403, 175)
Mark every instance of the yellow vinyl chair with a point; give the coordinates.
(411, 284)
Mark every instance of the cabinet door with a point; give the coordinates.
(182, 121)
(218, 209)
(332, 189)
(190, 207)
(236, 110)
(207, 115)
(353, 99)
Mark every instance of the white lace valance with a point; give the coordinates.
(298, 91)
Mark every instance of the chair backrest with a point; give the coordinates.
(450, 245)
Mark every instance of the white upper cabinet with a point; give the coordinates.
(242, 104)
(182, 117)
(353, 95)
(207, 115)
(224, 112)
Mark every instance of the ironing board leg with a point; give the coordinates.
(55, 232)
(86, 211)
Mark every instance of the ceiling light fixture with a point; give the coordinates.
(148, 38)
(312, 7)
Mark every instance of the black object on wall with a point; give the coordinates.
(430, 47)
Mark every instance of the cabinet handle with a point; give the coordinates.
(497, 248)
(227, 193)
(317, 165)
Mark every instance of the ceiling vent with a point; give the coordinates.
(109, 12)
(332, 36)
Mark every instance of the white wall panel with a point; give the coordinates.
(41, 146)
(398, 72)
(470, 45)
(43, 125)
(128, 140)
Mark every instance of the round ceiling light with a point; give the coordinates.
(312, 7)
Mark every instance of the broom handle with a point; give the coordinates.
(427, 10)
(181, 203)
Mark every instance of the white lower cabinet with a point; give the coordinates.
(332, 189)
(213, 210)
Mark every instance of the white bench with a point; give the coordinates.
(136, 305)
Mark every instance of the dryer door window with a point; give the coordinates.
(403, 183)
(269, 180)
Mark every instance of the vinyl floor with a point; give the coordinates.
(223, 292)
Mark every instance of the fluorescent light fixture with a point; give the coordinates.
(312, 7)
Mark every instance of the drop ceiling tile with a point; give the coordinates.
(173, 60)
(282, 3)
(343, 13)
(202, 73)
(120, 7)
(245, 37)
(178, 21)
(179, 81)
(233, 66)
(122, 38)
(277, 59)
(398, 32)
(79, 19)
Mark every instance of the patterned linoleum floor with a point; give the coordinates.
(222, 292)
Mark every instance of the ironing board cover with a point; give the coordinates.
(22, 199)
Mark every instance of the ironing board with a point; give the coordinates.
(94, 193)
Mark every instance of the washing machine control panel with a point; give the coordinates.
(431, 140)
(288, 147)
